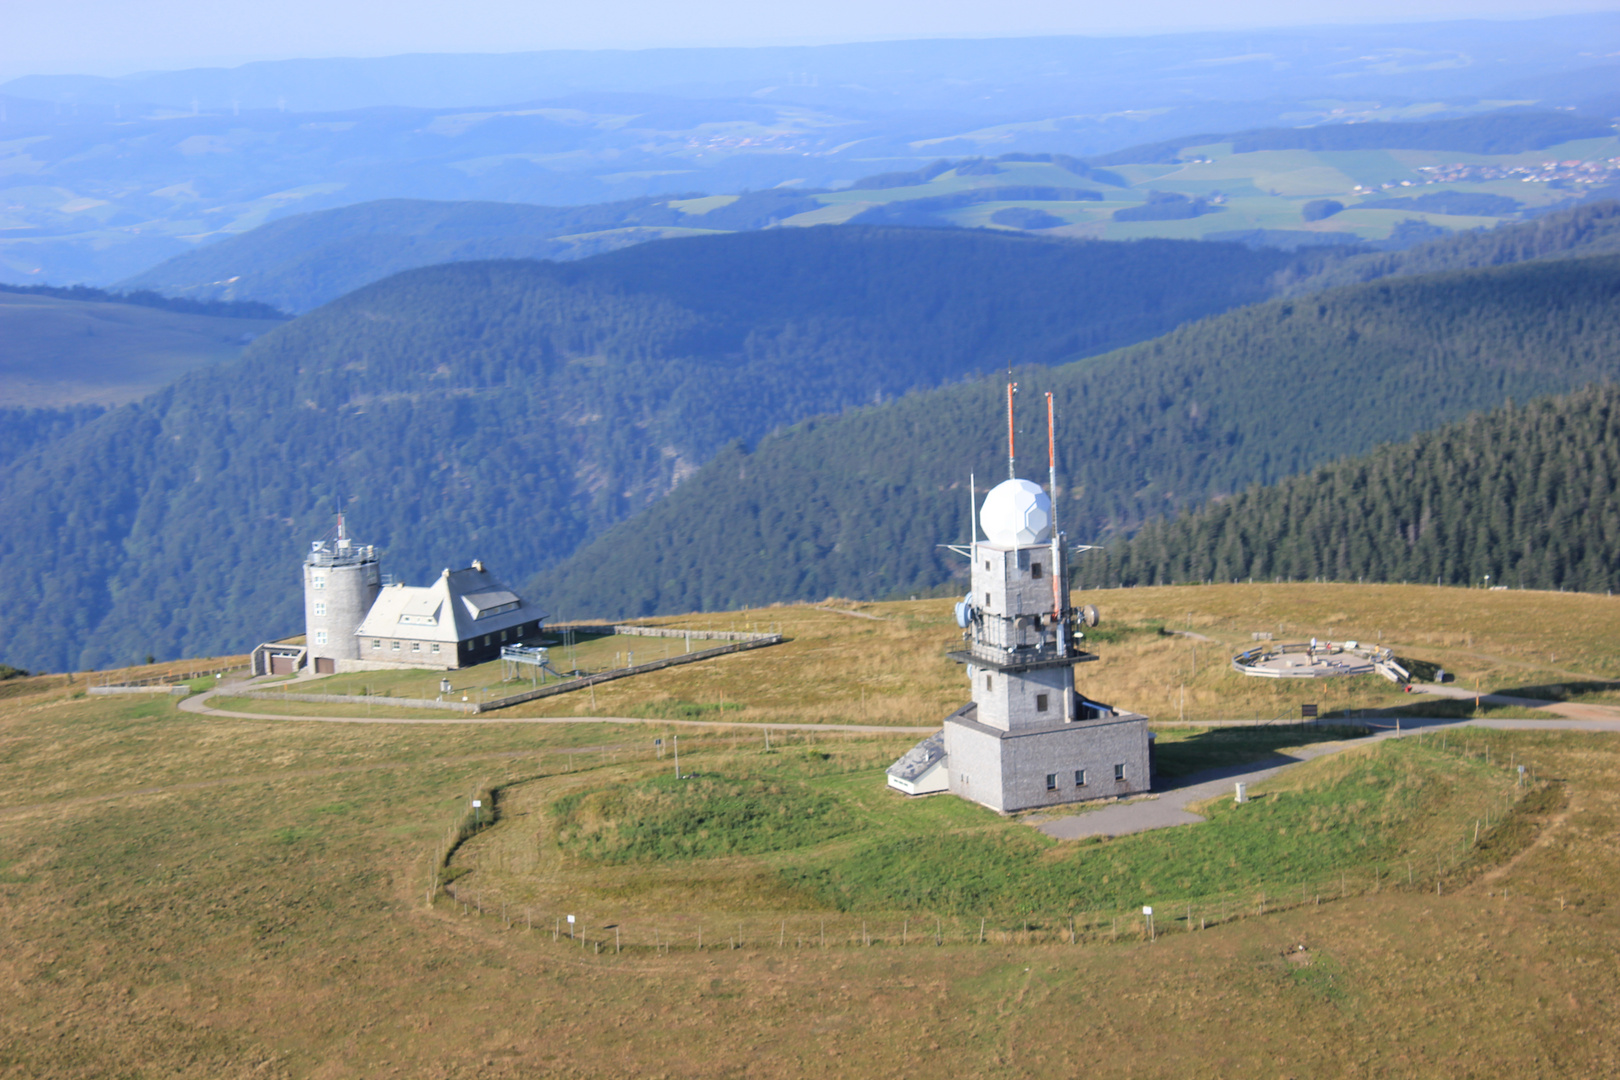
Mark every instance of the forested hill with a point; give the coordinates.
(512, 410)
(1593, 229)
(856, 505)
(1528, 497)
(305, 260)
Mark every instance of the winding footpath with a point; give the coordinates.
(1163, 808)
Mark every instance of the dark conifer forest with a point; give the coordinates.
(512, 410)
(1523, 497)
(858, 505)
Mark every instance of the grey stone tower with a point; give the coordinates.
(341, 582)
(1028, 739)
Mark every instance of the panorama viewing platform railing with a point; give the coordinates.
(352, 555)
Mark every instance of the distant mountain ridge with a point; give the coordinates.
(1505, 132)
(303, 261)
(856, 505)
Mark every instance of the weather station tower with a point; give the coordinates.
(341, 582)
(1028, 738)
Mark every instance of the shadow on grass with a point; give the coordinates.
(1559, 691)
(1207, 754)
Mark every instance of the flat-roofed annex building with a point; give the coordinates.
(462, 619)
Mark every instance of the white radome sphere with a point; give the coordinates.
(1016, 513)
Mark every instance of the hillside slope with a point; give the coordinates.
(1525, 496)
(857, 505)
(1592, 229)
(301, 262)
(57, 352)
(512, 410)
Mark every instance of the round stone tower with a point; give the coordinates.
(341, 583)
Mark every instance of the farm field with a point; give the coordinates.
(207, 896)
(1262, 189)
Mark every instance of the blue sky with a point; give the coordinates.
(111, 37)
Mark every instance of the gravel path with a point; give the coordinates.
(1168, 806)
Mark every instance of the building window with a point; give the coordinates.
(486, 639)
(987, 564)
(393, 646)
(1040, 702)
(1051, 781)
(416, 646)
(320, 608)
(986, 599)
(1119, 772)
(320, 637)
(1035, 570)
(1079, 778)
(503, 635)
(435, 647)
(317, 582)
(376, 643)
(987, 682)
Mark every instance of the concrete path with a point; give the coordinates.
(1168, 806)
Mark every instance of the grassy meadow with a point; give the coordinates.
(885, 664)
(204, 896)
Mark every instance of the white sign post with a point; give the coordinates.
(570, 927)
(1148, 911)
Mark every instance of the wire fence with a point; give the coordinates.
(848, 930)
(1449, 854)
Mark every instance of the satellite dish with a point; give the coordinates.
(1089, 616)
(964, 611)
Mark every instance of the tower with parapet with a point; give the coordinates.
(341, 583)
(1028, 738)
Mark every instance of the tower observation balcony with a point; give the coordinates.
(330, 553)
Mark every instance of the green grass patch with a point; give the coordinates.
(700, 817)
(1346, 812)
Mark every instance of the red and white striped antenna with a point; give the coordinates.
(1012, 388)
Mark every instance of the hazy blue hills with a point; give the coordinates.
(105, 177)
(1504, 132)
(1537, 57)
(300, 262)
(1523, 496)
(856, 505)
(512, 410)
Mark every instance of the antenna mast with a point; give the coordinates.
(1059, 573)
(1012, 388)
(973, 519)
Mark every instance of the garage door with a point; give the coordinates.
(282, 665)
(325, 665)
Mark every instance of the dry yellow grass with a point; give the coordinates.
(891, 668)
(204, 897)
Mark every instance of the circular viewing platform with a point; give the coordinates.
(1319, 660)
